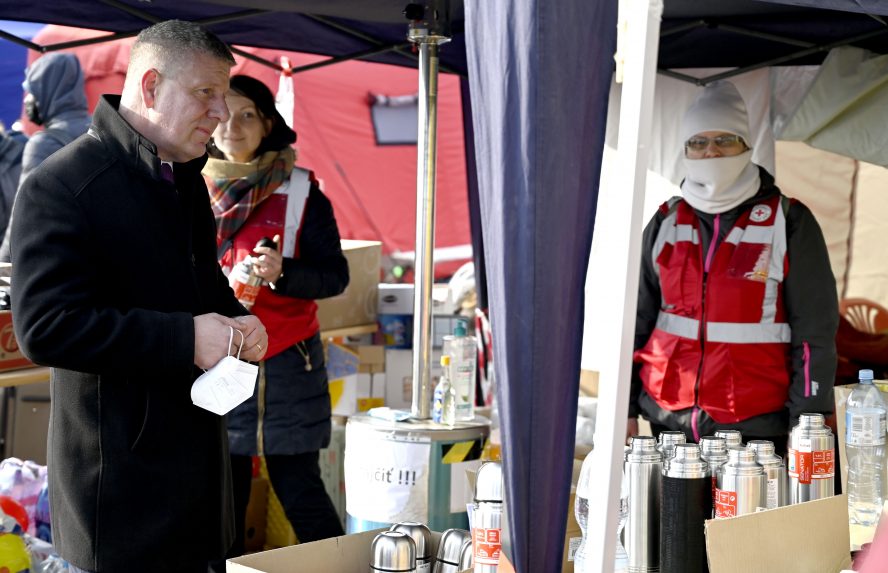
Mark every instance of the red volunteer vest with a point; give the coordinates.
(722, 344)
(287, 320)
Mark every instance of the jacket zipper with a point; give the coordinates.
(713, 245)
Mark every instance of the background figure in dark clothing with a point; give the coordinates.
(256, 192)
(55, 99)
(12, 145)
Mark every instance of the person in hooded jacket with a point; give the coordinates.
(737, 304)
(12, 145)
(55, 99)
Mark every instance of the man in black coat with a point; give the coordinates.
(118, 290)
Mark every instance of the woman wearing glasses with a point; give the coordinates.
(737, 305)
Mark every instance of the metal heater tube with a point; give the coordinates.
(425, 229)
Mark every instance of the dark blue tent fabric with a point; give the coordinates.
(540, 77)
(12, 69)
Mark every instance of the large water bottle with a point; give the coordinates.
(865, 449)
(585, 484)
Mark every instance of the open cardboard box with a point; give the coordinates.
(345, 554)
(811, 537)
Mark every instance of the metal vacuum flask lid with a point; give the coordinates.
(450, 548)
(393, 552)
(422, 539)
(489, 483)
(732, 437)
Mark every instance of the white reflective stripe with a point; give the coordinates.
(778, 249)
(686, 233)
(679, 325)
(745, 333)
(734, 236)
(666, 234)
(758, 235)
(769, 303)
(296, 188)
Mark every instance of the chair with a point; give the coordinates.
(864, 315)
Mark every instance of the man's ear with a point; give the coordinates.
(149, 82)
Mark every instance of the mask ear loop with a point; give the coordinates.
(230, 339)
(241, 342)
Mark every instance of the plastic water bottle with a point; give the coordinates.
(581, 512)
(865, 449)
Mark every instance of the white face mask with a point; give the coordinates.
(718, 184)
(227, 384)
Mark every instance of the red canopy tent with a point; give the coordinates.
(372, 187)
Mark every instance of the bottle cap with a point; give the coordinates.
(460, 328)
(865, 374)
(445, 360)
(266, 242)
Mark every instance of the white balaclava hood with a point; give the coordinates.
(718, 184)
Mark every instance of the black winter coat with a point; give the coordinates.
(110, 265)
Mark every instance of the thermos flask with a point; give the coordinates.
(685, 506)
(422, 539)
(450, 548)
(487, 517)
(643, 467)
(714, 451)
(810, 462)
(465, 556)
(732, 437)
(667, 441)
(741, 485)
(775, 472)
(392, 552)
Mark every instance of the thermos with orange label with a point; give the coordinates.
(487, 517)
(742, 485)
(810, 462)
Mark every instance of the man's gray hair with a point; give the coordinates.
(170, 40)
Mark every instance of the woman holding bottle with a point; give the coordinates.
(256, 191)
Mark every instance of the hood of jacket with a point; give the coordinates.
(56, 82)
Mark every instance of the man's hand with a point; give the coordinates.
(255, 338)
(211, 335)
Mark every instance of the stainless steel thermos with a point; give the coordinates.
(453, 543)
(686, 505)
(810, 461)
(714, 451)
(422, 539)
(775, 472)
(393, 552)
(667, 441)
(741, 485)
(487, 517)
(643, 467)
(732, 437)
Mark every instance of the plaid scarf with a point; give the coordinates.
(236, 189)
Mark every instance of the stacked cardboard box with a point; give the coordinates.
(356, 378)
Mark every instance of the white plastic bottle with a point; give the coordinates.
(865, 449)
(585, 485)
(463, 351)
(444, 405)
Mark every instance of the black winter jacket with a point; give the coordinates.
(110, 265)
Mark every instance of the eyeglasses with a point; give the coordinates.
(727, 142)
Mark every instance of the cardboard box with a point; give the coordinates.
(397, 298)
(346, 554)
(812, 537)
(11, 356)
(399, 376)
(257, 509)
(355, 386)
(357, 305)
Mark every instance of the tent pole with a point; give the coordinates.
(429, 28)
(637, 48)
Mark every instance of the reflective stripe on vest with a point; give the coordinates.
(765, 331)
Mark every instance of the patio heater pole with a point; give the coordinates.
(429, 28)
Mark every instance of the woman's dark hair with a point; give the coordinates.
(280, 135)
